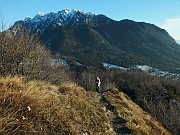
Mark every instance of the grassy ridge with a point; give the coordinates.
(41, 108)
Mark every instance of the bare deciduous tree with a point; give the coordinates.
(24, 55)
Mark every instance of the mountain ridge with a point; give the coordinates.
(62, 18)
(92, 39)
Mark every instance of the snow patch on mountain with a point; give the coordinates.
(41, 21)
(108, 65)
(41, 14)
(144, 68)
(57, 62)
(178, 41)
(27, 18)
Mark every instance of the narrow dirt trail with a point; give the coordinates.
(118, 124)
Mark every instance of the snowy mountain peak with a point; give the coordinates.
(74, 11)
(27, 18)
(69, 11)
(40, 14)
(41, 21)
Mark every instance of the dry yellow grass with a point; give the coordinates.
(140, 122)
(41, 108)
(37, 107)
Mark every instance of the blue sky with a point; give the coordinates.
(163, 13)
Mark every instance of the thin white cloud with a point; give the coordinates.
(172, 25)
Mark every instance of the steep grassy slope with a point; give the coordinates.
(41, 108)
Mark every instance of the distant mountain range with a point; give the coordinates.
(92, 39)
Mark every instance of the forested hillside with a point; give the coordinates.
(93, 39)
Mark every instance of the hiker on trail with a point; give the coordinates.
(97, 82)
